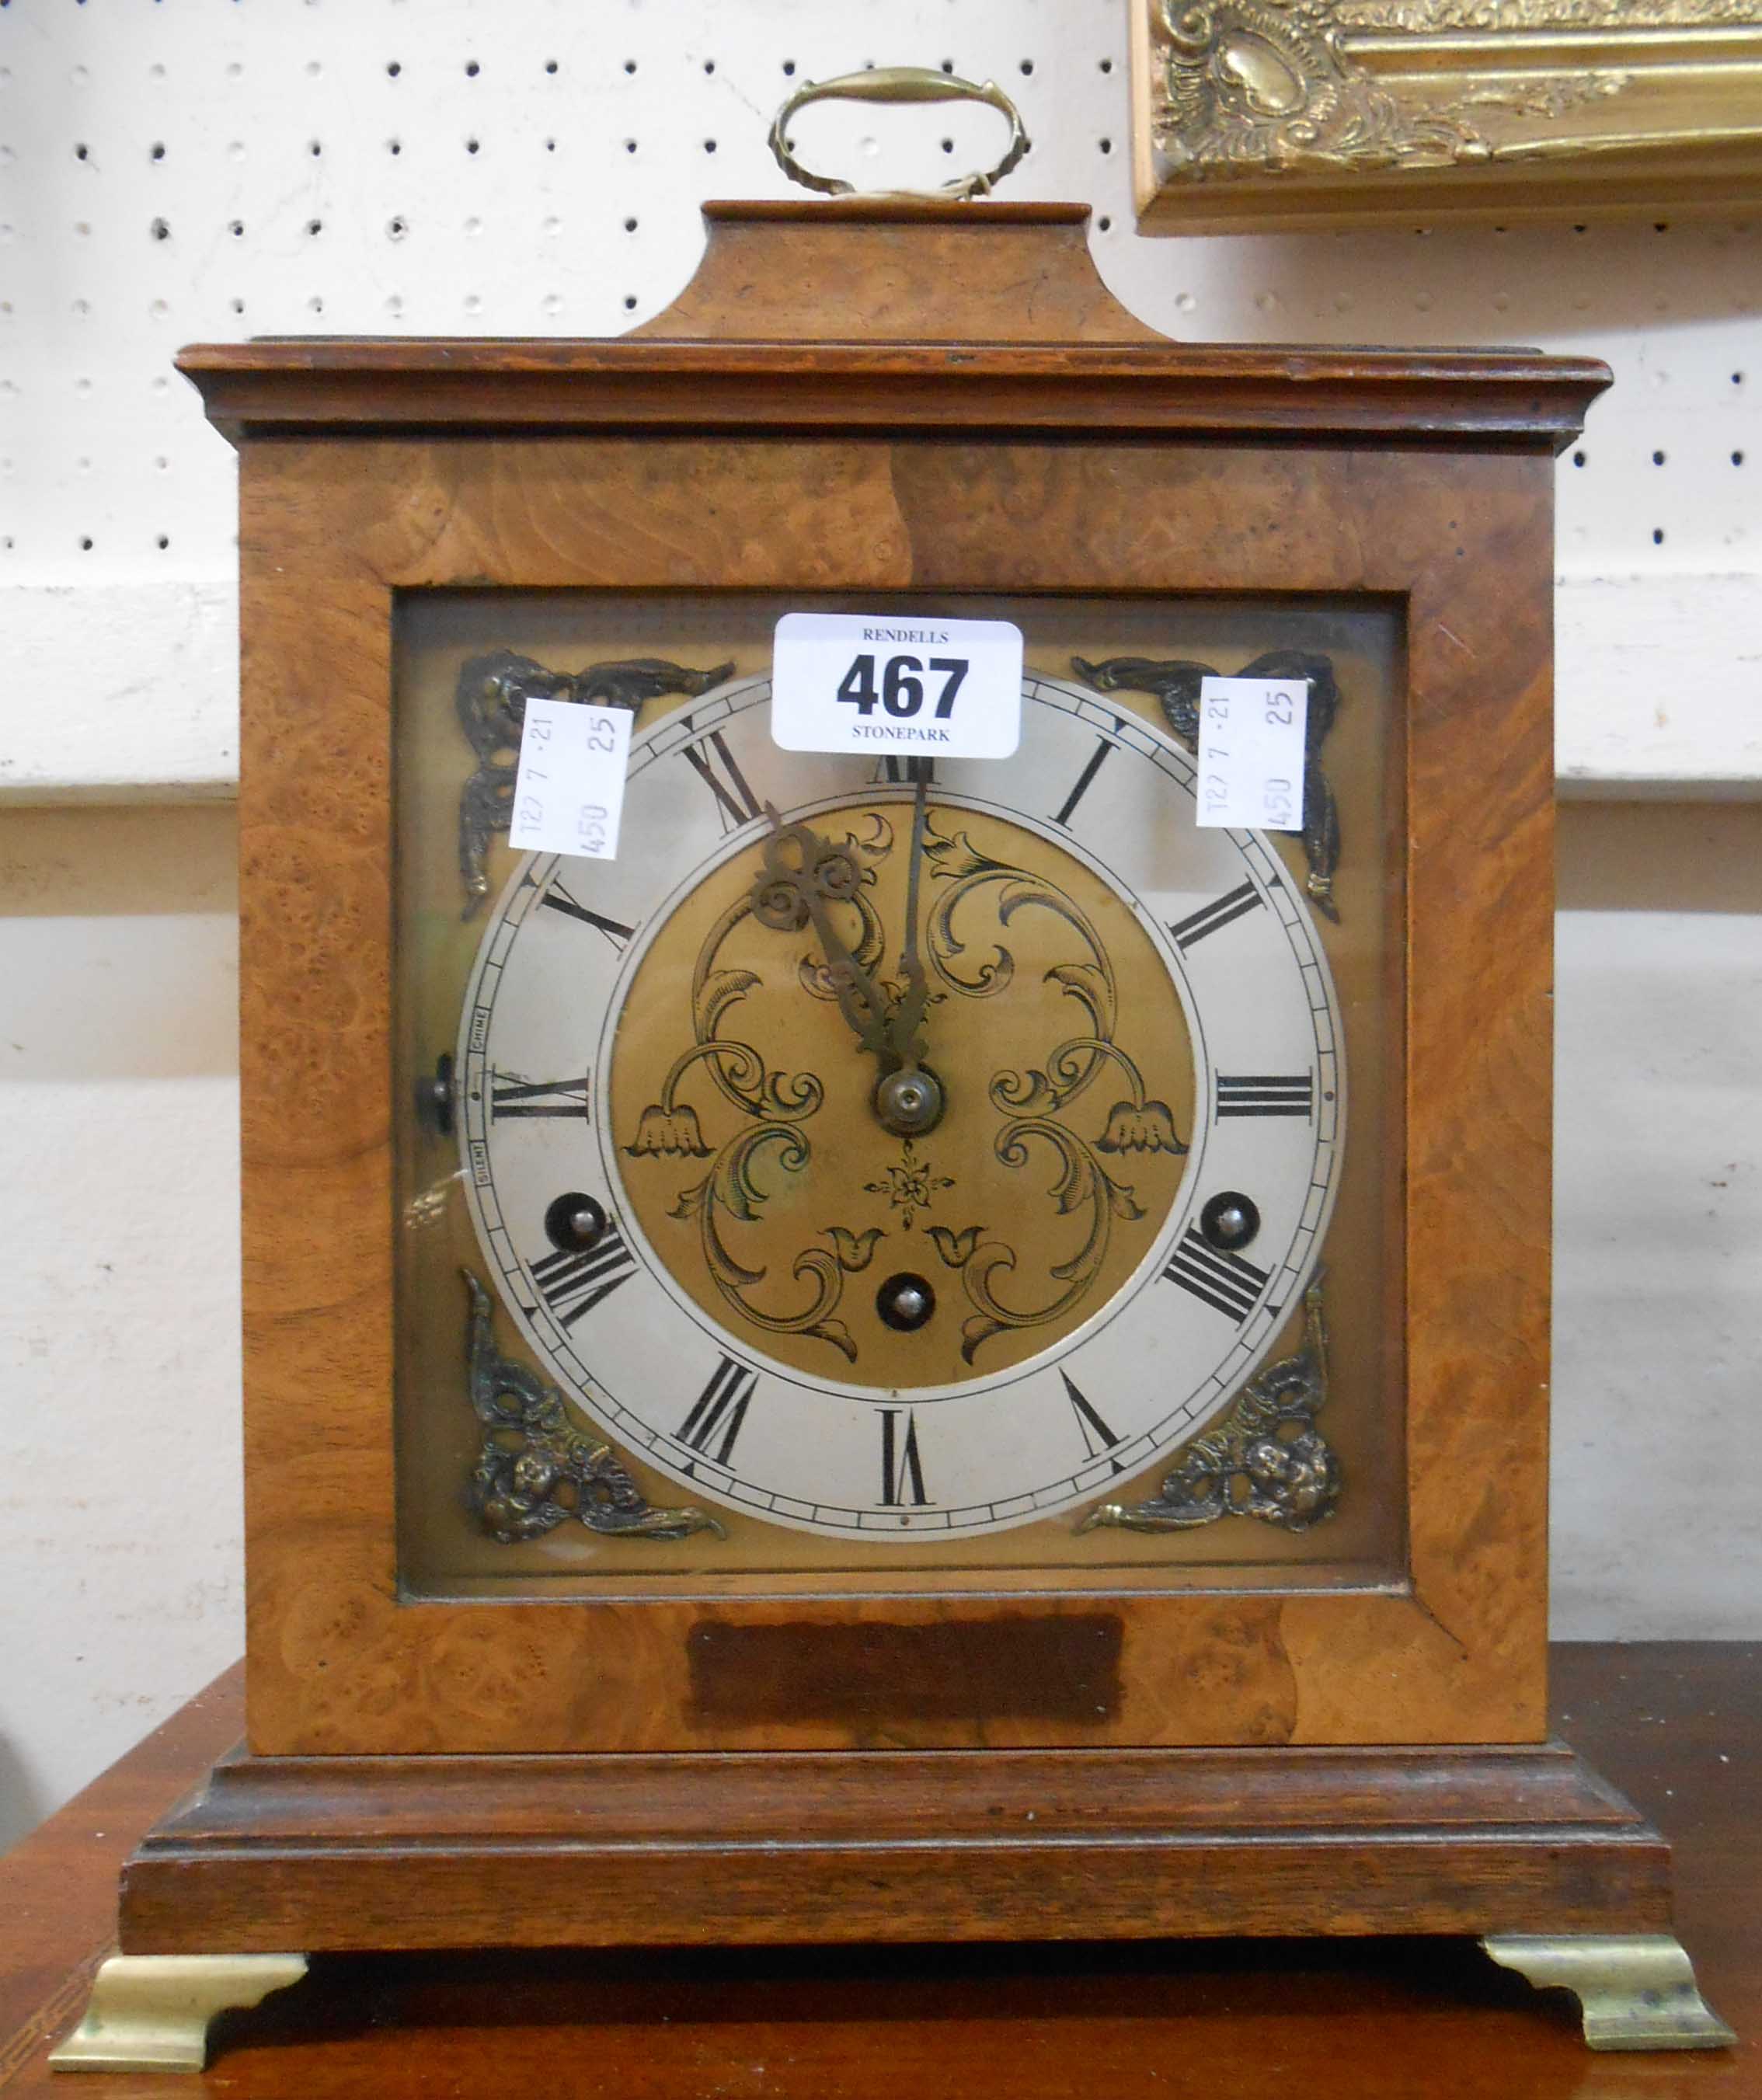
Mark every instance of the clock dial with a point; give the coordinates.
(893, 1156)
(780, 1195)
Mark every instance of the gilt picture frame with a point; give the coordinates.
(1275, 116)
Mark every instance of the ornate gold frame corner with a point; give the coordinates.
(1292, 115)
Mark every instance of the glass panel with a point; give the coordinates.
(774, 1242)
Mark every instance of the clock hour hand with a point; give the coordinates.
(804, 876)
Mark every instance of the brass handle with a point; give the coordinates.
(899, 84)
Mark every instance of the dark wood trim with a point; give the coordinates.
(348, 1853)
(300, 385)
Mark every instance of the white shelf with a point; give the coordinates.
(1658, 687)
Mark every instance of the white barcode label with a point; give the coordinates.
(568, 793)
(1252, 753)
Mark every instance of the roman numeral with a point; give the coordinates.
(897, 770)
(1102, 747)
(1210, 917)
(1258, 1094)
(512, 1096)
(558, 899)
(901, 1470)
(718, 770)
(1228, 1283)
(1097, 1438)
(718, 1411)
(572, 1284)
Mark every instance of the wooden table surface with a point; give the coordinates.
(1679, 1725)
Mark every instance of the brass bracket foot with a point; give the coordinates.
(1635, 1990)
(150, 2012)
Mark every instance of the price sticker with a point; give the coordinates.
(897, 682)
(1252, 753)
(568, 793)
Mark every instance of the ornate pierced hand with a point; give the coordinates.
(804, 876)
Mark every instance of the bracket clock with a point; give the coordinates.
(937, 1350)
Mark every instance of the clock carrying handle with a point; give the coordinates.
(899, 84)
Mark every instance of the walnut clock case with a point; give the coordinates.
(936, 1350)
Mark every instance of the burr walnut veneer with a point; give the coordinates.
(876, 399)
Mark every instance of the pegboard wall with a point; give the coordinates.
(176, 171)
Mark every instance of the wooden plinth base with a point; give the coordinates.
(342, 1854)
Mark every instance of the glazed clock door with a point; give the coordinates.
(892, 1164)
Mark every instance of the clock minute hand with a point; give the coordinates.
(788, 897)
(906, 1021)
